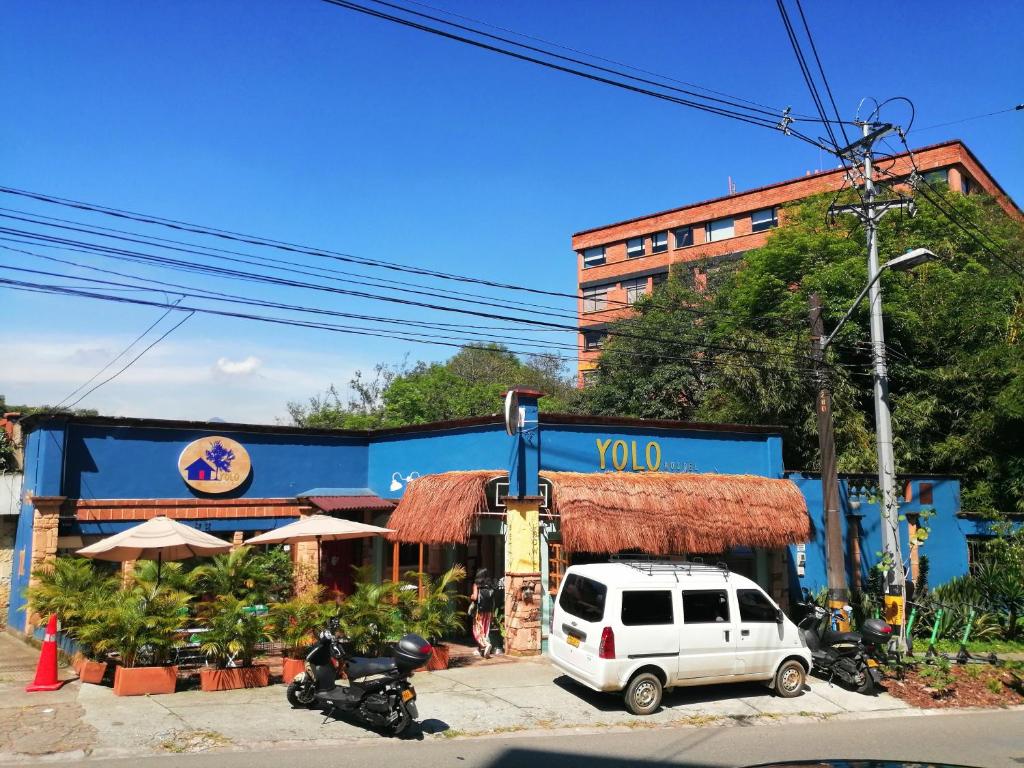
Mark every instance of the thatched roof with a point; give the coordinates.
(657, 512)
(441, 508)
(667, 513)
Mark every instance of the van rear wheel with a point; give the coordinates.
(789, 679)
(643, 694)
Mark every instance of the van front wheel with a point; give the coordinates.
(643, 694)
(789, 679)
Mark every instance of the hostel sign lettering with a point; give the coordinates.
(214, 464)
(637, 456)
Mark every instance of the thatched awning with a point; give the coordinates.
(665, 513)
(441, 508)
(657, 512)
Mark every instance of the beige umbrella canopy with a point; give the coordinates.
(159, 538)
(318, 528)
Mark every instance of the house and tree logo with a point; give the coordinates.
(214, 464)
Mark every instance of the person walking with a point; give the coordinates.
(482, 603)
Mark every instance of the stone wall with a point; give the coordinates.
(8, 526)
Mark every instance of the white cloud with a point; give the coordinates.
(186, 378)
(240, 367)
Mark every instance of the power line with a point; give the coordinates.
(134, 360)
(721, 111)
(114, 359)
(1016, 108)
(821, 69)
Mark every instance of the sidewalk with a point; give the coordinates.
(497, 697)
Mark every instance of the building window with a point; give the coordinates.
(658, 280)
(976, 546)
(720, 230)
(594, 340)
(762, 220)
(593, 257)
(683, 236)
(705, 606)
(634, 247)
(940, 176)
(924, 493)
(965, 184)
(647, 607)
(659, 242)
(634, 289)
(595, 298)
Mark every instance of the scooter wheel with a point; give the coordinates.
(300, 696)
(867, 686)
(404, 721)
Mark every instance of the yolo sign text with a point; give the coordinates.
(622, 454)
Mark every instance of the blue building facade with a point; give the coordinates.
(89, 477)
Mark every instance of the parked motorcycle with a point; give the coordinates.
(378, 691)
(851, 657)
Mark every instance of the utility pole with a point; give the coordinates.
(869, 212)
(835, 561)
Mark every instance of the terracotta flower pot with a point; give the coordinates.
(142, 681)
(77, 660)
(92, 671)
(257, 676)
(439, 658)
(291, 668)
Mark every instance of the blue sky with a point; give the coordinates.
(304, 122)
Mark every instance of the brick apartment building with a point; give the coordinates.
(618, 263)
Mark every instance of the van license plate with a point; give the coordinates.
(572, 640)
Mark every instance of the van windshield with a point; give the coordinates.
(583, 598)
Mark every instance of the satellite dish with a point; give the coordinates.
(512, 415)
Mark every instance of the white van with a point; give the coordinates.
(643, 626)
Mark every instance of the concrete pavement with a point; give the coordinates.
(988, 739)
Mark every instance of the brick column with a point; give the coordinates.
(46, 518)
(305, 575)
(236, 540)
(127, 572)
(522, 577)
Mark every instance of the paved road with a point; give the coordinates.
(989, 739)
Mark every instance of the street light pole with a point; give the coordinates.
(870, 211)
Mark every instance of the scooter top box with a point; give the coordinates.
(411, 652)
(876, 632)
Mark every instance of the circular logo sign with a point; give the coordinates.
(214, 464)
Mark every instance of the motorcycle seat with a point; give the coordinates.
(362, 667)
(832, 638)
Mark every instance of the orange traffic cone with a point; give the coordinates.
(46, 670)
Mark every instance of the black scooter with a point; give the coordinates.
(850, 657)
(378, 691)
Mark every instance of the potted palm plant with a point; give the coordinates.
(294, 624)
(375, 615)
(74, 590)
(140, 629)
(233, 632)
(435, 613)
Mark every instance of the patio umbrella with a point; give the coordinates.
(159, 538)
(318, 528)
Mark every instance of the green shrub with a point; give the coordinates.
(296, 622)
(232, 631)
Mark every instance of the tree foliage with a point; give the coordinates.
(469, 384)
(739, 353)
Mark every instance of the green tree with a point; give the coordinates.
(468, 384)
(739, 353)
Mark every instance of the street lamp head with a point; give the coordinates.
(910, 259)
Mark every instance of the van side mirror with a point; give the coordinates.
(779, 616)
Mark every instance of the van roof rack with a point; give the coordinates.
(652, 565)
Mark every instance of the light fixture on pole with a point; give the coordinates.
(895, 577)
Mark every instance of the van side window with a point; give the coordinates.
(647, 607)
(705, 606)
(755, 606)
(583, 597)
